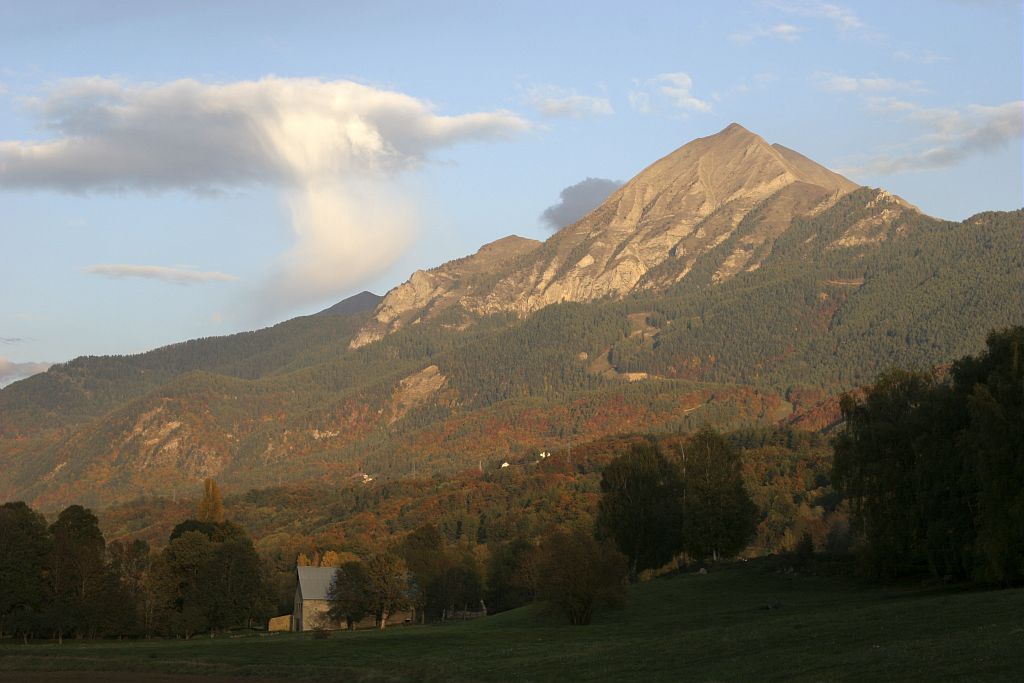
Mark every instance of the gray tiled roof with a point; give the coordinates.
(314, 581)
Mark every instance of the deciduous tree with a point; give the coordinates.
(387, 585)
(349, 594)
(24, 555)
(578, 574)
(641, 507)
(719, 518)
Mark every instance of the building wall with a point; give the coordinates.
(278, 624)
(314, 615)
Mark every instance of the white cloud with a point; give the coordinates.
(842, 18)
(333, 147)
(556, 102)
(785, 32)
(949, 136)
(181, 276)
(677, 86)
(12, 372)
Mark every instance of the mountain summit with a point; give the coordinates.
(647, 235)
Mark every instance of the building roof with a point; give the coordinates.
(314, 581)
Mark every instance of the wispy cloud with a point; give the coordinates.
(677, 87)
(11, 340)
(332, 148)
(560, 103)
(832, 82)
(576, 201)
(889, 104)
(921, 57)
(640, 101)
(674, 88)
(12, 372)
(842, 18)
(785, 32)
(949, 136)
(181, 276)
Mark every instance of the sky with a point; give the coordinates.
(189, 169)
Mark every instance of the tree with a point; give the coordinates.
(578, 574)
(178, 583)
(387, 585)
(208, 578)
(876, 468)
(719, 519)
(231, 586)
(993, 385)
(129, 562)
(211, 507)
(505, 587)
(349, 594)
(24, 555)
(78, 573)
(457, 585)
(424, 553)
(641, 507)
(934, 471)
(334, 558)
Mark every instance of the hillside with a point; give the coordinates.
(768, 285)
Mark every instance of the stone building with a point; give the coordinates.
(311, 603)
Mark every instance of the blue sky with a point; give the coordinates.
(198, 168)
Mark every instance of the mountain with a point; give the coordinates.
(428, 292)
(669, 215)
(733, 282)
(363, 301)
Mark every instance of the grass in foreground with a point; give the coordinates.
(738, 623)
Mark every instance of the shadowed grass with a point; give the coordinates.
(737, 623)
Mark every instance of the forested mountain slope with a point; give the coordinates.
(807, 287)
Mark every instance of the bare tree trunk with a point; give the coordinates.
(383, 619)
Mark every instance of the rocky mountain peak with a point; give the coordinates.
(647, 234)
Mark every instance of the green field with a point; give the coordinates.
(746, 622)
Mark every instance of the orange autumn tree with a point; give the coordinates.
(211, 507)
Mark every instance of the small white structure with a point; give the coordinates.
(504, 465)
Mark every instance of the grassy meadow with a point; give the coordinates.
(743, 622)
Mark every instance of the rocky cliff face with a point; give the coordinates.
(428, 292)
(648, 234)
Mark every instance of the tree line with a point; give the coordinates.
(64, 580)
(933, 467)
